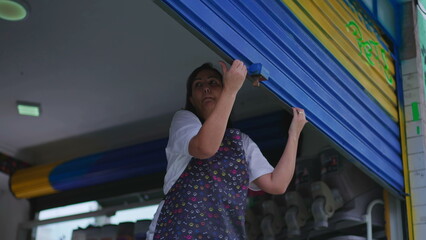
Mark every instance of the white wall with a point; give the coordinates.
(416, 144)
(12, 211)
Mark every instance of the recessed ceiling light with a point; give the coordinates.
(28, 109)
(13, 10)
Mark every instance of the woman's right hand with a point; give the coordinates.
(233, 78)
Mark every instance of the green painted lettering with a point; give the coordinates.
(369, 49)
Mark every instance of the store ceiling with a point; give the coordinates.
(107, 74)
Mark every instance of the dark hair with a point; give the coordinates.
(191, 79)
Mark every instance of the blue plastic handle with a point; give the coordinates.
(257, 70)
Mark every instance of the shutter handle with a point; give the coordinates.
(258, 73)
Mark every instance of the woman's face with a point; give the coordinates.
(206, 90)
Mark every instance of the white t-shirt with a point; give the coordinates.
(185, 125)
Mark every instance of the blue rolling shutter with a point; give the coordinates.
(302, 73)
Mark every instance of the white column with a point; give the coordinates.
(415, 120)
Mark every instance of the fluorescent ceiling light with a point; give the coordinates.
(13, 10)
(29, 109)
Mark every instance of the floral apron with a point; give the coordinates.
(209, 198)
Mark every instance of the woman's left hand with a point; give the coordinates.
(298, 122)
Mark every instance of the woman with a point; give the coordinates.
(210, 167)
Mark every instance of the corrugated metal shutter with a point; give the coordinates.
(303, 73)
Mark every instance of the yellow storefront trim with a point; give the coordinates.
(408, 200)
(33, 182)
